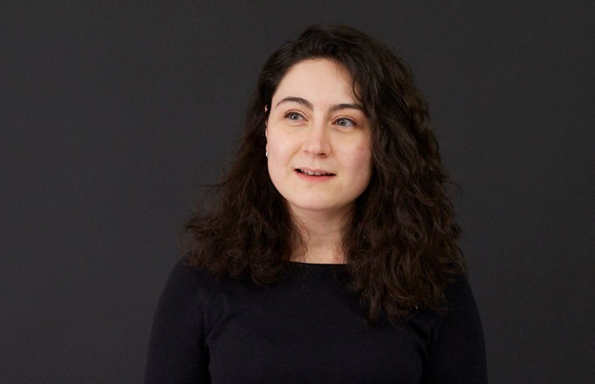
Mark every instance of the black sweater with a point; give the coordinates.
(306, 329)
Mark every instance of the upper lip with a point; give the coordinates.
(315, 170)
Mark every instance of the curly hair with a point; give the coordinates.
(400, 244)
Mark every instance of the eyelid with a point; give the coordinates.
(291, 112)
(353, 122)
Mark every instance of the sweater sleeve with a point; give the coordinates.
(177, 352)
(457, 354)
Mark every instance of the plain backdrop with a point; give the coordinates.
(114, 113)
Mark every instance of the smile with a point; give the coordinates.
(314, 176)
(314, 172)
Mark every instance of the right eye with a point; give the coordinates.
(289, 115)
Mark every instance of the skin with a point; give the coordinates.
(318, 137)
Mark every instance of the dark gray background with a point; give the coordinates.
(113, 113)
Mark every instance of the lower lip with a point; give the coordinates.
(313, 178)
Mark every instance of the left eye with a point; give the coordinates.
(345, 119)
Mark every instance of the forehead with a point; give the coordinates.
(321, 81)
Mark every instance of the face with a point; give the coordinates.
(315, 124)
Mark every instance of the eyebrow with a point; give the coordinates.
(333, 108)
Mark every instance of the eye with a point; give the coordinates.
(349, 121)
(289, 114)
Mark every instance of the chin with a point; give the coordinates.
(314, 205)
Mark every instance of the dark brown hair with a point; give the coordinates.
(401, 243)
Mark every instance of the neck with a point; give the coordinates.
(321, 233)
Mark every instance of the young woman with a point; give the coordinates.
(331, 255)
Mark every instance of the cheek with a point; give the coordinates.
(280, 153)
(278, 150)
(358, 158)
(282, 145)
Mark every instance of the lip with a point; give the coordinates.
(317, 170)
(309, 178)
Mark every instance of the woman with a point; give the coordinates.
(331, 255)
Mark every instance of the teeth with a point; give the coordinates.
(313, 173)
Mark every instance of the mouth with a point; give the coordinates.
(313, 172)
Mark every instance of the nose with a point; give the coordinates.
(317, 140)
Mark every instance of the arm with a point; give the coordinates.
(177, 352)
(457, 354)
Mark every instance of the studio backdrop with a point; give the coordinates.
(114, 114)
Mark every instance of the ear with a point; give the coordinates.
(266, 121)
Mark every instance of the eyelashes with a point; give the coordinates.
(288, 114)
(291, 113)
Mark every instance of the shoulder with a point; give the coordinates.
(184, 271)
(459, 303)
(462, 320)
(458, 347)
(459, 293)
(188, 285)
